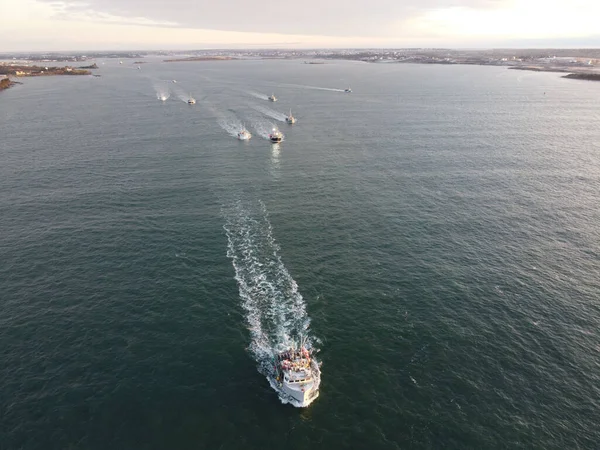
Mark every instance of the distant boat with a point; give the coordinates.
(244, 135)
(174, 81)
(275, 136)
(120, 62)
(290, 119)
(347, 90)
(139, 68)
(272, 98)
(192, 100)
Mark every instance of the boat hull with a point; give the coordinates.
(302, 397)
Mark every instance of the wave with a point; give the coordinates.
(275, 310)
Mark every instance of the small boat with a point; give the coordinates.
(192, 100)
(298, 375)
(244, 135)
(275, 136)
(174, 81)
(347, 90)
(272, 98)
(290, 119)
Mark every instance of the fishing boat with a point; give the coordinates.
(298, 375)
(275, 136)
(272, 98)
(290, 119)
(244, 135)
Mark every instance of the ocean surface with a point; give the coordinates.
(435, 234)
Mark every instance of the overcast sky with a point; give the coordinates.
(190, 24)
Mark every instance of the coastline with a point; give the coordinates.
(5, 83)
(583, 76)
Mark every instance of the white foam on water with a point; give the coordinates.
(275, 309)
(258, 95)
(229, 122)
(302, 86)
(181, 94)
(162, 90)
(263, 128)
(270, 113)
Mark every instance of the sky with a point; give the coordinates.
(65, 25)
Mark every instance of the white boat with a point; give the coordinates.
(290, 119)
(192, 100)
(272, 98)
(174, 81)
(275, 136)
(347, 90)
(298, 375)
(244, 135)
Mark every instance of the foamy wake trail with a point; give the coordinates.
(258, 95)
(263, 128)
(275, 310)
(162, 90)
(302, 86)
(227, 120)
(270, 113)
(230, 124)
(181, 94)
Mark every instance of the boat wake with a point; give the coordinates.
(230, 123)
(258, 95)
(162, 91)
(181, 94)
(275, 310)
(263, 128)
(270, 113)
(302, 86)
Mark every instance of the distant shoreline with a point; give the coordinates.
(201, 58)
(5, 83)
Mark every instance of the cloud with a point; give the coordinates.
(308, 17)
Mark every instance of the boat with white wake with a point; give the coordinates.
(290, 119)
(275, 136)
(244, 135)
(272, 98)
(298, 375)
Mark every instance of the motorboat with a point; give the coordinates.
(298, 375)
(244, 135)
(347, 90)
(275, 136)
(272, 98)
(192, 100)
(290, 119)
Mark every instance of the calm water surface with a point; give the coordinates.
(439, 228)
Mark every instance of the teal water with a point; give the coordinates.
(435, 233)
